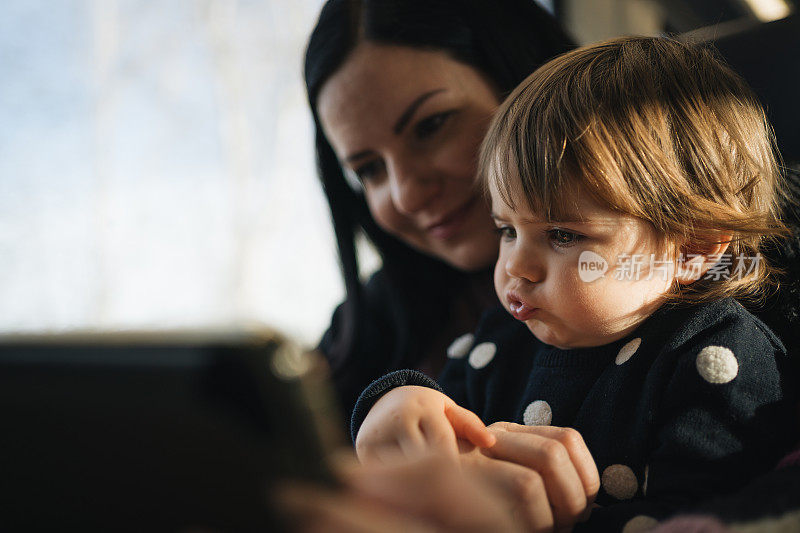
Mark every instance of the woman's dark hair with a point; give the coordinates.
(505, 40)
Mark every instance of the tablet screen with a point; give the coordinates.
(170, 432)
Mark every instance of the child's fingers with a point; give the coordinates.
(469, 426)
(578, 452)
(551, 459)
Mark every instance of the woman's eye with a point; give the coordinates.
(506, 232)
(430, 125)
(368, 171)
(563, 238)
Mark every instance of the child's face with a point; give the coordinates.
(544, 274)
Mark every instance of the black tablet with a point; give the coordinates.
(167, 432)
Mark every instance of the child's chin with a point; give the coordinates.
(546, 335)
(551, 338)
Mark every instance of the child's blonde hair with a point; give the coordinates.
(651, 128)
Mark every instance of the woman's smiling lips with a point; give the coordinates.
(520, 309)
(448, 225)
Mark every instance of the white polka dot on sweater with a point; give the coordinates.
(482, 354)
(640, 524)
(620, 482)
(717, 364)
(627, 351)
(538, 413)
(460, 347)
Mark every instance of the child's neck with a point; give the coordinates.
(645, 313)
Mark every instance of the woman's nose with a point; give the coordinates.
(413, 186)
(523, 263)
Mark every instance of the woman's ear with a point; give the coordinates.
(697, 258)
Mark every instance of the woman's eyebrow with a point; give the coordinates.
(401, 123)
(358, 155)
(405, 118)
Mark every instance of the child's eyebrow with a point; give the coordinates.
(529, 220)
(569, 219)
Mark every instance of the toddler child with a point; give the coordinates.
(633, 184)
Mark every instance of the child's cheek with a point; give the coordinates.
(500, 279)
(596, 301)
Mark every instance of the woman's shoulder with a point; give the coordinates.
(373, 316)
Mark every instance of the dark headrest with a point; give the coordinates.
(768, 57)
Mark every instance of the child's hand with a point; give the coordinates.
(409, 421)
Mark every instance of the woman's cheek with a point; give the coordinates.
(457, 158)
(379, 202)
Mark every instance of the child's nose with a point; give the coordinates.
(524, 263)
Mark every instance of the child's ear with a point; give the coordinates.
(696, 258)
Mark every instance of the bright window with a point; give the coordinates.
(156, 167)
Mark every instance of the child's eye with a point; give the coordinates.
(430, 125)
(563, 238)
(506, 232)
(369, 170)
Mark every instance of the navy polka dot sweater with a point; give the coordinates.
(695, 402)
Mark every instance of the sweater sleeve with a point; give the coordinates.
(726, 415)
(381, 386)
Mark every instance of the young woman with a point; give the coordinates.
(402, 94)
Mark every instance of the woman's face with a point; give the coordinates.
(409, 124)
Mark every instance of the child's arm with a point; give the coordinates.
(546, 472)
(411, 420)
